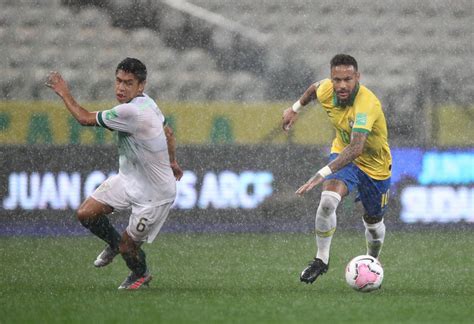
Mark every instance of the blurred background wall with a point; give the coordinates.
(223, 71)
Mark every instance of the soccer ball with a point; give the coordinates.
(364, 273)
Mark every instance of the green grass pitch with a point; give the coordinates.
(238, 278)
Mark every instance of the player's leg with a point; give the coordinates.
(135, 258)
(325, 225)
(92, 214)
(335, 187)
(145, 223)
(374, 235)
(374, 196)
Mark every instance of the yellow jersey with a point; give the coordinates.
(363, 113)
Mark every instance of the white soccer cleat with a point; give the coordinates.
(105, 257)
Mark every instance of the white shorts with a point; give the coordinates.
(145, 221)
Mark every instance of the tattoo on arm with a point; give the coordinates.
(310, 94)
(350, 153)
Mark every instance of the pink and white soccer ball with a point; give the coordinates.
(364, 273)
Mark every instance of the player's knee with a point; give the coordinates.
(128, 249)
(376, 230)
(374, 226)
(124, 249)
(372, 219)
(128, 246)
(328, 204)
(84, 216)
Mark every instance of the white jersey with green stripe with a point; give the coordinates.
(143, 152)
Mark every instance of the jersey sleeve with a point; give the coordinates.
(365, 117)
(324, 91)
(121, 118)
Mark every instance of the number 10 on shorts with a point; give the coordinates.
(384, 200)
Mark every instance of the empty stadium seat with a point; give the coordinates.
(393, 43)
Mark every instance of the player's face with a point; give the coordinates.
(344, 79)
(127, 86)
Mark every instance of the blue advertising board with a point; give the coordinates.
(238, 188)
(434, 186)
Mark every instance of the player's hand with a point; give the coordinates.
(177, 172)
(310, 184)
(289, 118)
(56, 82)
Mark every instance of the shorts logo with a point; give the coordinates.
(361, 119)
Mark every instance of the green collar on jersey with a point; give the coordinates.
(337, 103)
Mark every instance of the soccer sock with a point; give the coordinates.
(136, 261)
(374, 234)
(102, 228)
(326, 223)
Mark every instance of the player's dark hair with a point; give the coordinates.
(343, 59)
(134, 66)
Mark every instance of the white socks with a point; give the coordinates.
(374, 234)
(326, 226)
(326, 223)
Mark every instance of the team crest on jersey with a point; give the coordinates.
(111, 114)
(351, 123)
(103, 187)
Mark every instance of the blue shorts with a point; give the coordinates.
(372, 193)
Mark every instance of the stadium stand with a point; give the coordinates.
(396, 44)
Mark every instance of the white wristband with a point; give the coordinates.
(296, 106)
(324, 172)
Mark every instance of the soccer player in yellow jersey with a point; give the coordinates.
(360, 158)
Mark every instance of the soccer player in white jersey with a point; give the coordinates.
(148, 170)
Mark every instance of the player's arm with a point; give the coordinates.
(349, 154)
(56, 82)
(171, 141)
(291, 114)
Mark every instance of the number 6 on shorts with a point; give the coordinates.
(141, 226)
